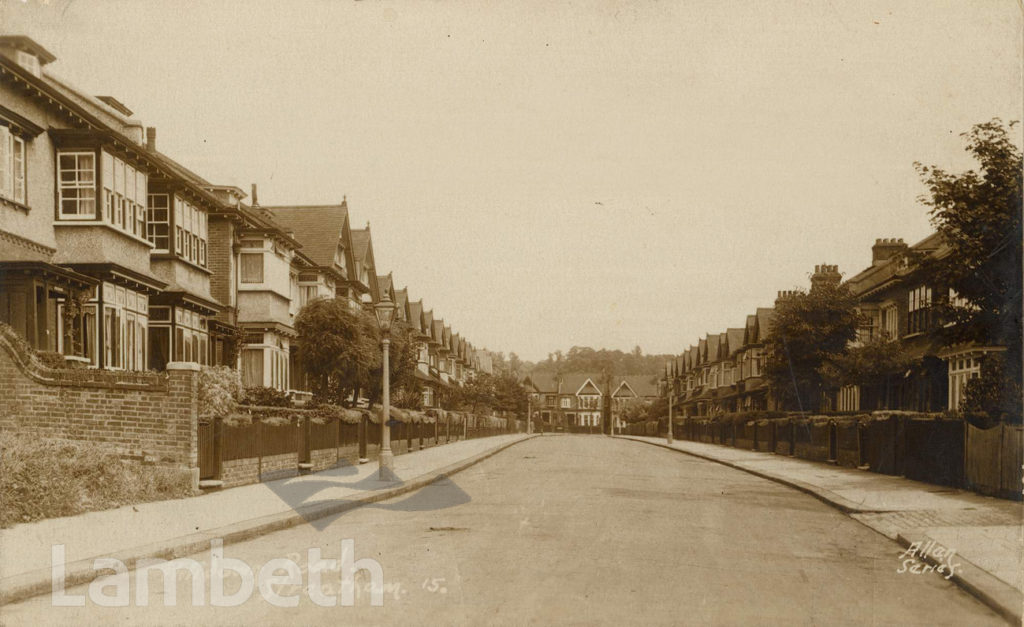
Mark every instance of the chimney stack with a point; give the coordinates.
(825, 274)
(151, 138)
(784, 295)
(885, 249)
(255, 199)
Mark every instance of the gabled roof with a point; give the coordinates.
(640, 386)
(415, 314)
(734, 339)
(624, 390)
(437, 331)
(319, 228)
(384, 284)
(588, 387)
(765, 315)
(428, 322)
(750, 330)
(713, 342)
(362, 252)
(360, 243)
(543, 382)
(702, 351)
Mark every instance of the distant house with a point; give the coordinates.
(583, 401)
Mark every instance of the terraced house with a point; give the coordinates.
(898, 303)
(723, 372)
(326, 240)
(91, 268)
(117, 256)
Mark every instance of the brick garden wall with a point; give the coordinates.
(145, 417)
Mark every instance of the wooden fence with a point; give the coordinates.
(279, 442)
(994, 460)
(918, 446)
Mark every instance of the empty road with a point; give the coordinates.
(582, 530)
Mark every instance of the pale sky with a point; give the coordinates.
(544, 175)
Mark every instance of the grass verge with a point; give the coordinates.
(46, 478)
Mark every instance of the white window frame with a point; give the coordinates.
(152, 223)
(76, 184)
(889, 321)
(12, 166)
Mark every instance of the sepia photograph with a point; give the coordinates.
(520, 312)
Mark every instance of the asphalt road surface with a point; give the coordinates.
(572, 529)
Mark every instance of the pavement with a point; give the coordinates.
(983, 536)
(175, 528)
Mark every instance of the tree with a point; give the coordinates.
(337, 348)
(509, 394)
(515, 365)
(872, 366)
(985, 396)
(402, 358)
(978, 214)
(809, 332)
(586, 359)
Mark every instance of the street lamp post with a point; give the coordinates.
(529, 414)
(670, 388)
(385, 312)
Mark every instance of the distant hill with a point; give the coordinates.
(585, 359)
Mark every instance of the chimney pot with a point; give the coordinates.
(151, 138)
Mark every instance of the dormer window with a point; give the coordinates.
(29, 61)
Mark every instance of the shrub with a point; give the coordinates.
(52, 360)
(46, 478)
(220, 389)
(266, 397)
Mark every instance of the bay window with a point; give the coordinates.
(191, 337)
(252, 367)
(12, 166)
(190, 231)
(307, 293)
(124, 195)
(125, 324)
